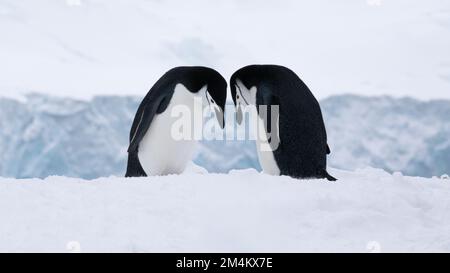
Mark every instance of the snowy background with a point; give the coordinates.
(81, 48)
(44, 136)
(72, 73)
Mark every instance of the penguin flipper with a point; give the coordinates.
(265, 97)
(144, 119)
(271, 116)
(134, 168)
(328, 150)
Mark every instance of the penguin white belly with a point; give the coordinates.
(265, 154)
(159, 152)
(266, 158)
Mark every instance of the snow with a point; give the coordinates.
(243, 211)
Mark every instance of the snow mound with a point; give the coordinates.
(243, 211)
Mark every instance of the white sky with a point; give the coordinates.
(81, 48)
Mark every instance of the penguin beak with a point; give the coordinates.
(220, 116)
(239, 114)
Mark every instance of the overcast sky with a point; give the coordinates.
(81, 48)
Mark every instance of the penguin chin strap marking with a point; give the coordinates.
(240, 106)
(207, 99)
(215, 109)
(211, 107)
(243, 97)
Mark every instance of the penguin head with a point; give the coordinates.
(259, 84)
(243, 89)
(207, 83)
(216, 96)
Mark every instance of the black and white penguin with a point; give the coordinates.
(153, 150)
(295, 133)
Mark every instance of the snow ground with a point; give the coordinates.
(243, 211)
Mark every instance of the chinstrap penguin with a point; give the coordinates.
(153, 150)
(295, 133)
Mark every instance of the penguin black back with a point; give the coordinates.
(303, 140)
